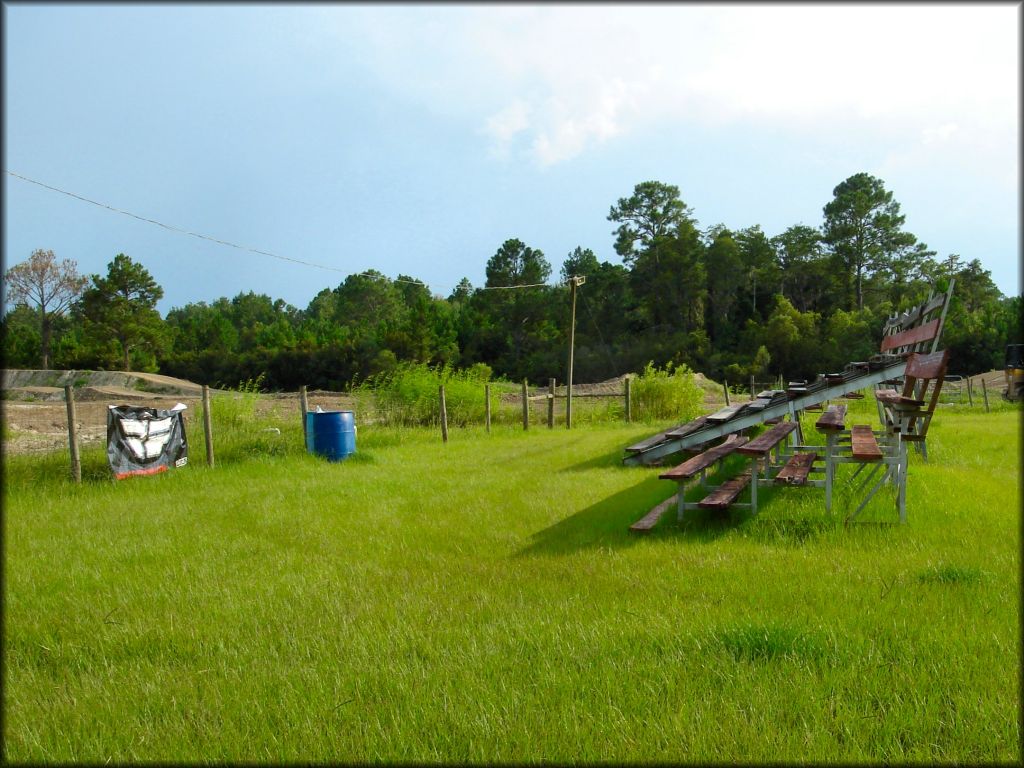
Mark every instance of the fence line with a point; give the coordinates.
(86, 421)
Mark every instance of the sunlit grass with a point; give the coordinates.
(483, 601)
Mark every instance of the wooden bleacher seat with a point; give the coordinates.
(864, 445)
(909, 412)
(692, 467)
(723, 496)
(832, 419)
(797, 469)
(701, 462)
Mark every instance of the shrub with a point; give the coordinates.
(408, 395)
(666, 393)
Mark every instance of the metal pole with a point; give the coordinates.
(304, 407)
(526, 407)
(551, 403)
(487, 407)
(444, 416)
(208, 425)
(574, 282)
(76, 461)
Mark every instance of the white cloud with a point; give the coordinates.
(556, 81)
(938, 134)
(506, 124)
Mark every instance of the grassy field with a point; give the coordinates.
(483, 601)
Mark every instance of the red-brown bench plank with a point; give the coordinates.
(924, 332)
(648, 521)
(797, 469)
(833, 418)
(865, 447)
(726, 493)
(763, 443)
(893, 397)
(691, 467)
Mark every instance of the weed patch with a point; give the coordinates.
(757, 643)
(951, 574)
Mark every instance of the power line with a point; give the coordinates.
(244, 247)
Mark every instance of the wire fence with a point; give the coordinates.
(250, 423)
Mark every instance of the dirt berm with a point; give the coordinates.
(34, 385)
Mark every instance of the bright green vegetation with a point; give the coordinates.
(408, 396)
(730, 302)
(483, 601)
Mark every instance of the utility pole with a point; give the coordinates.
(574, 282)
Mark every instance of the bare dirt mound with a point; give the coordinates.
(35, 414)
(38, 382)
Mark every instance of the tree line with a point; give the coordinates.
(732, 303)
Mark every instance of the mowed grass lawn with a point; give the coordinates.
(483, 601)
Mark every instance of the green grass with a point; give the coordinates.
(483, 601)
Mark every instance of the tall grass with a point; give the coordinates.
(240, 433)
(666, 393)
(409, 395)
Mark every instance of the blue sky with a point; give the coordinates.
(415, 139)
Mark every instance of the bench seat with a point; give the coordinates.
(648, 521)
(832, 419)
(693, 466)
(797, 469)
(892, 397)
(865, 446)
(764, 443)
(725, 494)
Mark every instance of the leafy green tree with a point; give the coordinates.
(978, 324)
(120, 308)
(515, 263)
(508, 328)
(651, 215)
(726, 277)
(849, 336)
(807, 277)
(863, 227)
(462, 291)
(19, 331)
(761, 269)
(48, 285)
(792, 339)
(198, 326)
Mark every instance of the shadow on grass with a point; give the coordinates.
(606, 523)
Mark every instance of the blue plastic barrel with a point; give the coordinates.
(331, 434)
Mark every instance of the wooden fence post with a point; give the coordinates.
(629, 400)
(725, 386)
(984, 391)
(751, 387)
(526, 408)
(970, 393)
(208, 425)
(551, 403)
(304, 407)
(444, 416)
(76, 461)
(487, 407)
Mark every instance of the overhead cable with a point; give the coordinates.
(245, 247)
